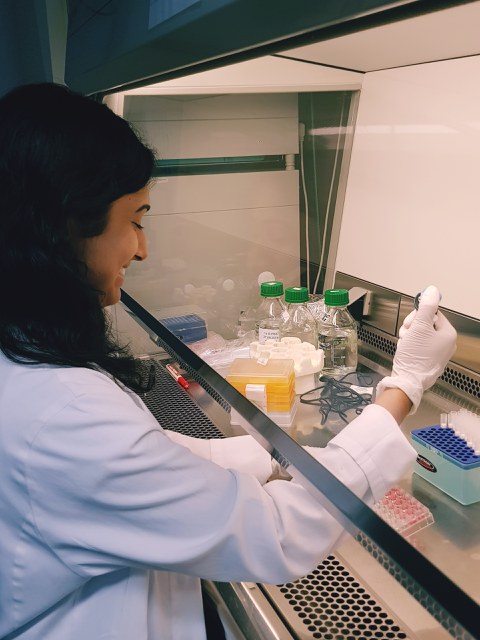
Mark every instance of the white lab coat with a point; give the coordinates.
(107, 522)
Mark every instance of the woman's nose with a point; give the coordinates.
(142, 250)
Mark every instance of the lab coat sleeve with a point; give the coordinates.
(108, 490)
(373, 447)
(361, 448)
(242, 453)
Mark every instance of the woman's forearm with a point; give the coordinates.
(396, 402)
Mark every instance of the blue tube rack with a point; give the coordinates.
(446, 461)
(189, 328)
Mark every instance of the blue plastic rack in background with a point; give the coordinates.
(189, 328)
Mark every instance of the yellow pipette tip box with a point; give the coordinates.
(278, 376)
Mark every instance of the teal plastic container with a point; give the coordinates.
(446, 461)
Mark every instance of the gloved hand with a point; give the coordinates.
(427, 343)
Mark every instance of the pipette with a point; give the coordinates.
(430, 296)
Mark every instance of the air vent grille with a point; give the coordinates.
(175, 410)
(457, 378)
(333, 605)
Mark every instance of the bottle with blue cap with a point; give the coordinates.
(337, 335)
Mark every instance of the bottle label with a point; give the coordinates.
(268, 333)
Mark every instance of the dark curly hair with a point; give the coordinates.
(64, 158)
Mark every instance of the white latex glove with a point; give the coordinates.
(426, 344)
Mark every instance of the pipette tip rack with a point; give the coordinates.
(447, 461)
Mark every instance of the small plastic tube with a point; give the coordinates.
(453, 423)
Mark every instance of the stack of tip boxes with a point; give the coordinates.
(270, 386)
(448, 462)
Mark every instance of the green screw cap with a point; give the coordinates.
(336, 297)
(296, 294)
(271, 289)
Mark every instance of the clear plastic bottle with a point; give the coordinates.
(298, 320)
(337, 335)
(269, 313)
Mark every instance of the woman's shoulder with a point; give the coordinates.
(38, 397)
(54, 386)
(54, 374)
(79, 377)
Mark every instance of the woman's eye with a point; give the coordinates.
(139, 226)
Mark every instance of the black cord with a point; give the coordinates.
(337, 396)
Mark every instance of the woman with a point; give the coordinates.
(107, 522)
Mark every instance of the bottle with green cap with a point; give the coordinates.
(298, 321)
(337, 334)
(269, 312)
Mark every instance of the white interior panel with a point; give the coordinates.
(216, 126)
(209, 238)
(210, 107)
(209, 262)
(440, 35)
(273, 228)
(211, 235)
(411, 209)
(222, 137)
(263, 75)
(223, 192)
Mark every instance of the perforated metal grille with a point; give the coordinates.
(333, 605)
(462, 381)
(175, 410)
(455, 378)
(194, 375)
(377, 341)
(412, 587)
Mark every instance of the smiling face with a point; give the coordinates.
(123, 240)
